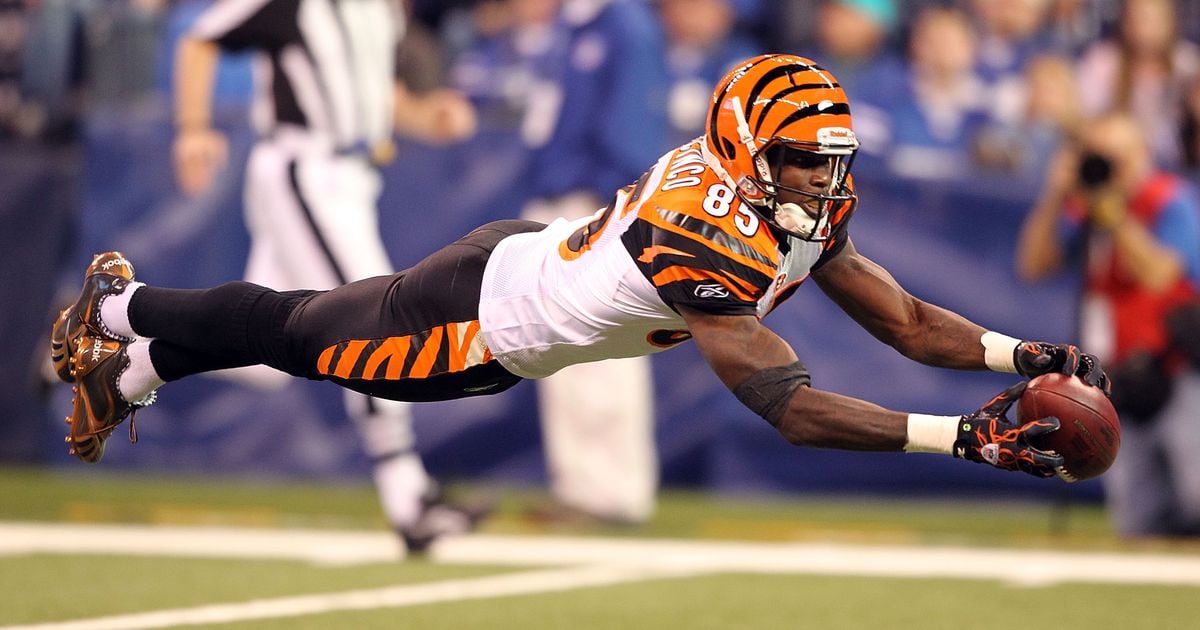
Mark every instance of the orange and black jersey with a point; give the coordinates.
(703, 248)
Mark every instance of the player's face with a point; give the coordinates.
(808, 172)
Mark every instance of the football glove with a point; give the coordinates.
(987, 436)
(1035, 358)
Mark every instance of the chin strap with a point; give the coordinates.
(747, 140)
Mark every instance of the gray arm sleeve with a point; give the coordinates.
(767, 392)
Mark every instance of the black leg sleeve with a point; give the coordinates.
(173, 362)
(232, 325)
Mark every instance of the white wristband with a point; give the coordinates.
(998, 351)
(931, 434)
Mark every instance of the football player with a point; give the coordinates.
(708, 242)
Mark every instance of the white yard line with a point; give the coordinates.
(305, 545)
(1017, 566)
(576, 563)
(524, 583)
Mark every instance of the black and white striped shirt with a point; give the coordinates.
(326, 66)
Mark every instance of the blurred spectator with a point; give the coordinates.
(420, 56)
(602, 118)
(1139, 231)
(1076, 24)
(1050, 113)
(13, 27)
(1189, 18)
(467, 27)
(853, 37)
(123, 40)
(924, 118)
(1011, 32)
(701, 47)
(1145, 70)
(511, 62)
(798, 24)
(790, 24)
(1190, 132)
(43, 97)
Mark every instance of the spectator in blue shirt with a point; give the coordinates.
(702, 46)
(923, 119)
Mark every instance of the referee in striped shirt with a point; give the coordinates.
(327, 101)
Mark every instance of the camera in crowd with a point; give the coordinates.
(1095, 170)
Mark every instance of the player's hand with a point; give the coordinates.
(1035, 358)
(199, 155)
(987, 436)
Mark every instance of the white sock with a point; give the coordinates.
(385, 427)
(114, 311)
(140, 379)
(401, 481)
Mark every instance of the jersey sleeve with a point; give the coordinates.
(702, 263)
(236, 25)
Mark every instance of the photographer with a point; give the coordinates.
(1138, 231)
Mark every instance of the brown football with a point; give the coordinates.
(1090, 435)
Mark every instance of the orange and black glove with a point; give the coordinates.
(1035, 358)
(987, 436)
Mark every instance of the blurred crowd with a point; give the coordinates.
(942, 89)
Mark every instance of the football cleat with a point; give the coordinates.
(440, 518)
(98, 406)
(108, 274)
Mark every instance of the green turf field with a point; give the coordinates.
(98, 582)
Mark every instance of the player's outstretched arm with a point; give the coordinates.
(763, 372)
(935, 336)
(920, 331)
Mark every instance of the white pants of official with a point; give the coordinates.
(598, 419)
(314, 224)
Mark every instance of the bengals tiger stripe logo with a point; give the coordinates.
(452, 347)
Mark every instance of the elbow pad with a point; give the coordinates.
(768, 391)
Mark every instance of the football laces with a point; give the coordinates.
(1062, 473)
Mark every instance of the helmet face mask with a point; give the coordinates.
(802, 213)
(776, 111)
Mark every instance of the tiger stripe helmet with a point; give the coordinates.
(774, 108)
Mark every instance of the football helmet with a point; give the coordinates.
(778, 109)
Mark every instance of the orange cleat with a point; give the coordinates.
(98, 406)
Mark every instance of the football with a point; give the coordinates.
(1090, 435)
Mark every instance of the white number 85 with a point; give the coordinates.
(720, 199)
